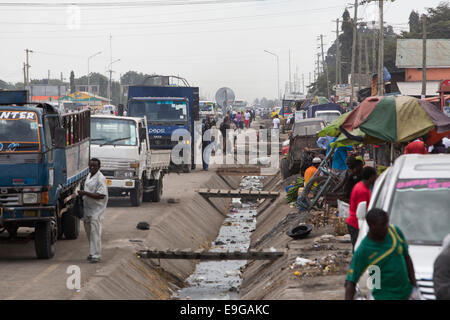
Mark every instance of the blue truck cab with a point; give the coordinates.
(44, 160)
(167, 108)
(327, 112)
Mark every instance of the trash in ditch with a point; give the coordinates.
(335, 263)
(223, 278)
(135, 240)
(143, 225)
(302, 261)
(173, 200)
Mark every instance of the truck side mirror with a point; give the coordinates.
(60, 138)
(361, 211)
(142, 133)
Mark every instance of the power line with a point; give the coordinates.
(169, 33)
(123, 4)
(215, 20)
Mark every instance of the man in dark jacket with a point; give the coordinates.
(441, 274)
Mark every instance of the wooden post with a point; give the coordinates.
(424, 56)
(352, 82)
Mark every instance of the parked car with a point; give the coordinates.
(304, 134)
(415, 192)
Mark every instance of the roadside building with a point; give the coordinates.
(409, 57)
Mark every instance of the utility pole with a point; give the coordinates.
(338, 55)
(325, 68)
(366, 47)
(424, 56)
(290, 80)
(352, 82)
(374, 50)
(24, 75)
(359, 62)
(27, 78)
(381, 50)
(303, 83)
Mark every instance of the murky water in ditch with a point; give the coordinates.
(220, 280)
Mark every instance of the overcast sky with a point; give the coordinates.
(211, 45)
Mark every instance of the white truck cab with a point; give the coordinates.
(415, 192)
(328, 115)
(130, 167)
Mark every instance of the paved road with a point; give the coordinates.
(25, 277)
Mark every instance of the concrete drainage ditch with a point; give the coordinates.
(220, 280)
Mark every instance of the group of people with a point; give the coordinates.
(385, 246)
(242, 119)
(418, 146)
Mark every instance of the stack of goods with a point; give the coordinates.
(292, 192)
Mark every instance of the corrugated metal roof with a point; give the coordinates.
(409, 53)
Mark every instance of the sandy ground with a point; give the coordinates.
(25, 277)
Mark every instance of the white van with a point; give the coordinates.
(415, 192)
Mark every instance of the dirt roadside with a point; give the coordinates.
(190, 223)
(325, 257)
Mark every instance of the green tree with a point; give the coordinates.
(414, 22)
(96, 79)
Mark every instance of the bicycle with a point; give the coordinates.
(322, 181)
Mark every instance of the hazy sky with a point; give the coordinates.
(211, 45)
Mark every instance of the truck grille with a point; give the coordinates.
(107, 173)
(162, 142)
(9, 200)
(426, 288)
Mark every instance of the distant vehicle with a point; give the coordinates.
(108, 109)
(415, 192)
(207, 108)
(239, 105)
(130, 166)
(44, 160)
(304, 134)
(275, 111)
(328, 112)
(167, 108)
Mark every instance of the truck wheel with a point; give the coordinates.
(137, 194)
(284, 168)
(45, 239)
(71, 225)
(157, 193)
(186, 168)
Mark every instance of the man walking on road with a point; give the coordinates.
(247, 119)
(95, 198)
(276, 122)
(384, 252)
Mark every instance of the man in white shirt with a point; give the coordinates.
(276, 122)
(247, 119)
(95, 198)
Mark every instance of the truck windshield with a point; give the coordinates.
(164, 110)
(113, 131)
(307, 128)
(206, 107)
(19, 131)
(328, 116)
(420, 209)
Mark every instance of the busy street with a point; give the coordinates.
(168, 172)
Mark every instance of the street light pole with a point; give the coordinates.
(88, 74)
(278, 72)
(110, 78)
